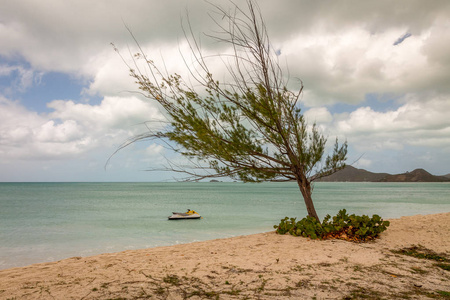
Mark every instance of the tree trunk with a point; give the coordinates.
(305, 189)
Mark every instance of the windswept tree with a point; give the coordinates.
(249, 128)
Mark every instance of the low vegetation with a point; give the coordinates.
(422, 253)
(342, 226)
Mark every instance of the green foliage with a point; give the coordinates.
(172, 279)
(444, 293)
(343, 226)
(422, 253)
(250, 128)
(445, 267)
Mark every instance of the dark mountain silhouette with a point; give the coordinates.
(353, 174)
(418, 175)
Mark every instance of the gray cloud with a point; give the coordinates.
(341, 50)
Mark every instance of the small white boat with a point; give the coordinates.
(190, 214)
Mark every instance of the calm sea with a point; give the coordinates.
(42, 222)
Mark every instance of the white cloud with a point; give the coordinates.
(64, 37)
(341, 54)
(71, 129)
(418, 122)
(112, 76)
(318, 115)
(112, 113)
(346, 66)
(154, 150)
(23, 78)
(50, 132)
(363, 163)
(342, 51)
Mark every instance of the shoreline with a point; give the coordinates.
(264, 266)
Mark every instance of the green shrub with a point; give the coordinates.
(342, 226)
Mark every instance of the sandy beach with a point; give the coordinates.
(260, 266)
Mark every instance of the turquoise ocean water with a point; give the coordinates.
(42, 222)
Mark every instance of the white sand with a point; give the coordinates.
(260, 266)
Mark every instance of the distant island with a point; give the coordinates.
(353, 174)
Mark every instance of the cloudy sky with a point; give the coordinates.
(376, 73)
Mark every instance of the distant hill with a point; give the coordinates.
(352, 174)
(418, 175)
